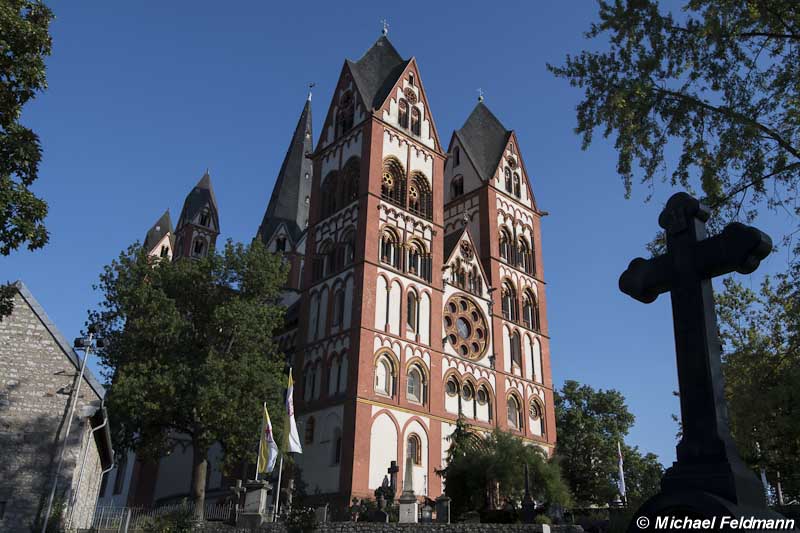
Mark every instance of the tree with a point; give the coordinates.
(761, 364)
(720, 79)
(642, 475)
(590, 424)
(484, 469)
(190, 354)
(24, 44)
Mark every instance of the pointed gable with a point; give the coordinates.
(377, 71)
(162, 228)
(460, 249)
(483, 138)
(201, 197)
(288, 203)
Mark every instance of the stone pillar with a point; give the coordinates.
(254, 511)
(443, 509)
(409, 508)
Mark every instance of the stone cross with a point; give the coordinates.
(392, 471)
(707, 458)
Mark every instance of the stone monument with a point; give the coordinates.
(409, 507)
(709, 478)
(254, 512)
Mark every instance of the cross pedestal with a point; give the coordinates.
(254, 513)
(709, 477)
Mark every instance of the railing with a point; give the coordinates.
(124, 519)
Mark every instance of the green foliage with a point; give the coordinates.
(181, 521)
(542, 519)
(482, 470)
(189, 349)
(590, 423)
(761, 364)
(24, 44)
(720, 79)
(301, 519)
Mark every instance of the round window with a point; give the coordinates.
(482, 396)
(465, 327)
(452, 387)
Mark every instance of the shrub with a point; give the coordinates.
(301, 520)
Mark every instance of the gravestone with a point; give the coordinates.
(409, 508)
(443, 509)
(709, 478)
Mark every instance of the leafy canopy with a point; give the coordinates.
(721, 80)
(484, 470)
(189, 348)
(590, 424)
(761, 364)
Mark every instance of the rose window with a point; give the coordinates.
(465, 327)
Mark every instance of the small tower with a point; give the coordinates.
(160, 239)
(283, 227)
(198, 225)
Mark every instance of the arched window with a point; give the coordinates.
(457, 187)
(419, 260)
(327, 253)
(537, 416)
(416, 120)
(309, 433)
(351, 174)
(416, 385)
(508, 180)
(348, 247)
(420, 199)
(412, 311)
(475, 283)
(516, 351)
(384, 376)
(456, 156)
(516, 185)
(199, 247)
(524, 255)
(402, 113)
(280, 244)
(330, 192)
(509, 301)
(484, 398)
(505, 245)
(346, 111)
(338, 308)
(393, 183)
(530, 311)
(390, 248)
(452, 387)
(310, 381)
(414, 449)
(514, 413)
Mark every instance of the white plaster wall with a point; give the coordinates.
(318, 470)
(348, 303)
(382, 449)
(380, 303)
(395, 297)
(323, 313)
(425, 319)
(537, 361)
(419, 473)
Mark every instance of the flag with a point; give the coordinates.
(292, 438)
(621, 472)
(267, 448)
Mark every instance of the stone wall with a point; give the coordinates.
(36, 377)
(366, 527)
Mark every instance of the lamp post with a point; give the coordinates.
(86, 344)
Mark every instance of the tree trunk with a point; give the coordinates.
(199, 466)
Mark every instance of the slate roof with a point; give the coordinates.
(450, 242)
(483, 137)
(287, 204)
(201, 195)
(376, 72)
(154, 235)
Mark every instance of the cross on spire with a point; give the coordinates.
(311, 85)
(480, 94)
(385, 24)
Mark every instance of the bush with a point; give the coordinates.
(181, 521)
(542, 519)
(301, 520)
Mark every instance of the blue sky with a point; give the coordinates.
(144, 96)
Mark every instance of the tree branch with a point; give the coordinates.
(754, 182)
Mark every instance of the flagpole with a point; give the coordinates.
(277, 497)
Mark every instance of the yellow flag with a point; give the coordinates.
(267, 448)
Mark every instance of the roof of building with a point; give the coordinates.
(376, 72)
(450, 242)
(287, 204)
(484, 138)
(162, 227)
(201, 195)
(62, 342)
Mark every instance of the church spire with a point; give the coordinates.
(288, 204)
(198, 225)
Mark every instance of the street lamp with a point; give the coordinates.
(86, 344)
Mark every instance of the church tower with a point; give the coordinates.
(283, 228)
(160, 239)
(488, 195)
(198, 225)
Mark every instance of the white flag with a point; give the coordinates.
(267, 448)
(293, 439)
(621, 472)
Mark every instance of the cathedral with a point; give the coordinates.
(416, 292)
